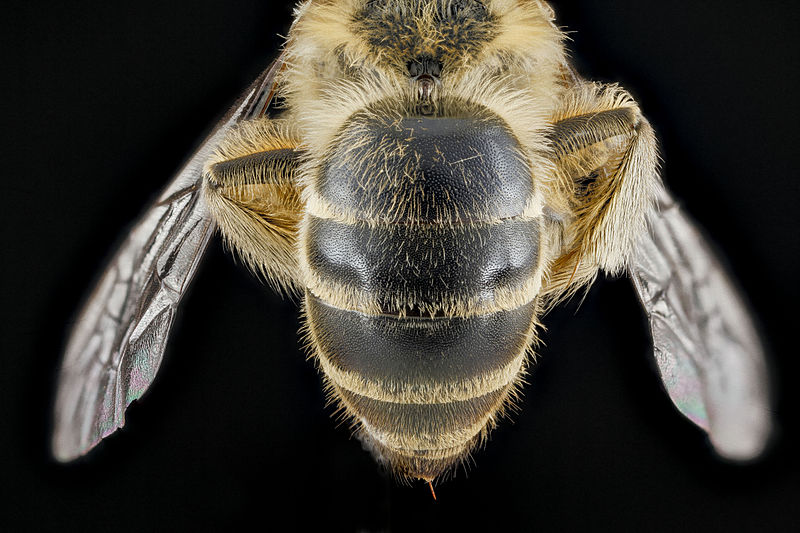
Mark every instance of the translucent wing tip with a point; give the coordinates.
(118, 340)
(705, 342)
(742, 438)
(65, 451)
(68, 443)
(65, 448)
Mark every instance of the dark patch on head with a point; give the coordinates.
(448, 31)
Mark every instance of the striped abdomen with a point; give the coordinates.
(421, 255)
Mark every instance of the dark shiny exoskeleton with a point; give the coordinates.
(437, 239)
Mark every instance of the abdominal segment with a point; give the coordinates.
(422, 272)
(423, 391)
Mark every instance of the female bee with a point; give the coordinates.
(433, 176)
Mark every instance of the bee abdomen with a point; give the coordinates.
(422, 264)
(442, 170)
(419, 360)
(423, 391)
(448, 270)
(424, 440)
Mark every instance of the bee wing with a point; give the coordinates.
(705, 344)
(117, 343)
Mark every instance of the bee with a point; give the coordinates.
(428, 177)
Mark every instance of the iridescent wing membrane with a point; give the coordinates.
(117, 343)
(706, 347)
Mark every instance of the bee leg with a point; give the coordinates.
(606, 158)
(249, 186)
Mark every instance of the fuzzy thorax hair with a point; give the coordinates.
(343, 56)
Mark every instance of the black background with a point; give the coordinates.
(101, 104)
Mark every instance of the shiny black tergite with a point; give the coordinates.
(439, 229)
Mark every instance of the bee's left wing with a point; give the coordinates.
(706, 347)
(118, 340)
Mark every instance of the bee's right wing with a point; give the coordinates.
(706, 346)
(117, 343)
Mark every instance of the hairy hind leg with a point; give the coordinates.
(249, 185)
(606, 157)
